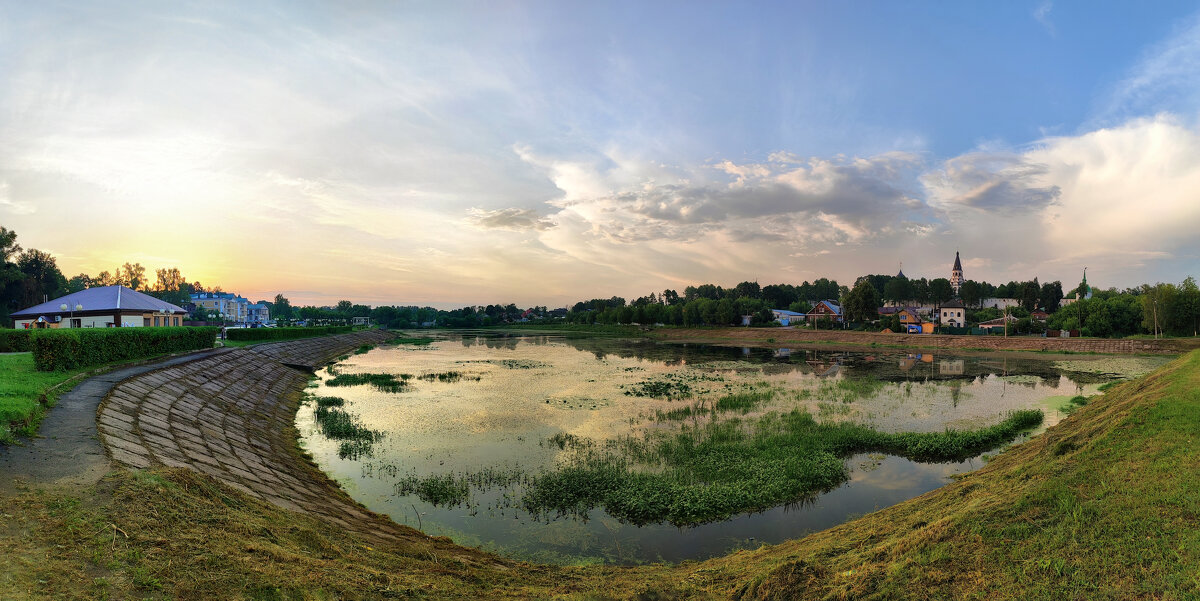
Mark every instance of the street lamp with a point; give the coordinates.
(72, 310)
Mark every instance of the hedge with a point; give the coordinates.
(284, 333)
(81, 347)
(15, 341)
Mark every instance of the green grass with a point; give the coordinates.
(720, 469)
(25, 393)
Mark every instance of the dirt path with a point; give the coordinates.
(67, 450)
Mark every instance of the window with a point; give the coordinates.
(77, 323)
(156, 321)
(176, 321)
(146, 322)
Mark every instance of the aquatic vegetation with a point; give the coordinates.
(1074, 403)
(328, 401)
(563, 440)
(743, 402)
(383, 382)
(366, 348)
(448, 376)
(415, 341)
(720, 469)
(660, 389)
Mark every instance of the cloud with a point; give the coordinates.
(15, 207)
(509, 219)
(1042, 15)
(1000, 183)
(1166, 79)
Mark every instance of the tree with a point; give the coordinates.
(898, 290)
(971, 293)
(9, 249)
(1029, 294)
(133, 275)
(1188, 305)
(281, 308)
(41, 278)
(940, 290)
(344, 306)
(1051, 296)
(747, 289)
(168, 280)
(862, 303)
(79, 282)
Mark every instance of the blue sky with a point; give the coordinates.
(540, 153)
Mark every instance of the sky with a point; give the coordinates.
(541, 153)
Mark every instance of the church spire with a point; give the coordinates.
(956, 274)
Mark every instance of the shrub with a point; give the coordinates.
(71, 348)
(284, 333)
(15, 341)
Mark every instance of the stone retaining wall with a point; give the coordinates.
(231, 416)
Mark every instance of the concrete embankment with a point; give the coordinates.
(231, 416)
(793, 336)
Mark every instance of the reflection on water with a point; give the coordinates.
(519, 391)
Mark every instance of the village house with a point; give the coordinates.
(953, 314)
(100, 307)
(785, 317)
(998, 323)
(826, 309)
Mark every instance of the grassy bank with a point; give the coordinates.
(26, 393)
(1104, 505)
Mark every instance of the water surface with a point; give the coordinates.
(509, 395)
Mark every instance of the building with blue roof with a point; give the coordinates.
(100, 307)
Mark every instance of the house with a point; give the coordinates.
(785, 317)
(100, 307)
(909, 316)
(952, 314)
(230, 307)
(826, 309)
(998, 323)
(362, 321)
(1039, 315)
(258, 313)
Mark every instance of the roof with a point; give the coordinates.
(787, 312)
(833, 306)
(957, 263)
(101, 298)
(999, 321)
(953, 304)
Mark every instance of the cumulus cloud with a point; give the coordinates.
(509, 219)
(1003, 183)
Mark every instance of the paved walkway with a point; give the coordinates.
(67, 450)
(231, 416)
